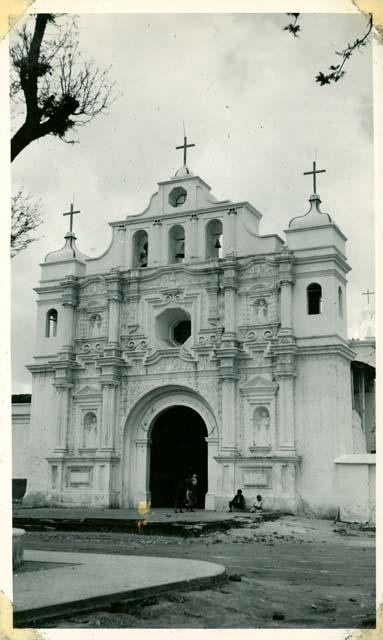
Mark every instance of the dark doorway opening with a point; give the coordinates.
(178, 448)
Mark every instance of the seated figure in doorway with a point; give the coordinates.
(238, 503)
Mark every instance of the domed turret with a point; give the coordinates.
(313, 218)
(68, 252)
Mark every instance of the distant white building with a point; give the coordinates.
(193, 343)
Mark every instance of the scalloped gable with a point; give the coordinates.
(257, 383)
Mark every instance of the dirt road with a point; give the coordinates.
(287, 574)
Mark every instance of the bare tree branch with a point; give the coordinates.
(25, 218)
(59, 90)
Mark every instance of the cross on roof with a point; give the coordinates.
(314, 174)
(368, 293)
(185, 146)
(71, 213)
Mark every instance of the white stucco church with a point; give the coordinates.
(193, 343)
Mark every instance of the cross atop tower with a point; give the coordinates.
(185, 146)
(314, 174)
(71, 213)
(368, 293)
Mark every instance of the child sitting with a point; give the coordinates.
(258, 505)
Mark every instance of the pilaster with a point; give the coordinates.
(230, 238)
(69, 301)
(113, 280)
(155, 257)
(230, 286)
(62, 414)
(284, 356)
(108, 416)
(286, 283)
(192, 246)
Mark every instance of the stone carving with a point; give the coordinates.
(94, 288)
(94, 325)
(261, 311)
(90, 431)
(165, 365)
(181, 399)
(261, 427)
(260, 269)
(172, 296)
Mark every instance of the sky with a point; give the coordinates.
(246, 91)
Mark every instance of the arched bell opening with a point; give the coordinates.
(140, 249)
(214, 239)
(176, 244)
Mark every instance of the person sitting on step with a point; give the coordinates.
(258, 505)
(238, 503)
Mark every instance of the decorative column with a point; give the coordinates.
(122, 245)
(286, 412)
(192, 244)
(286, 280)
(285, 373)
(230, 238)
(155, 246)
(229, 413)
(114, 298)
(141, 494)
(62, 413)
(108, 416)
(230, 292)
(69, 301)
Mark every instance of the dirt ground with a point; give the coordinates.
(290, 573)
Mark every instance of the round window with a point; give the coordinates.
(177, 196)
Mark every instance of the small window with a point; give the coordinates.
(182, 331)
(314, 299)
(51, 324)
(340, 301)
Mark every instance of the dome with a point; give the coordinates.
(183, 172)
(313, 218)
(68, 252)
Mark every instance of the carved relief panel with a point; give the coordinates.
(258, 398)
(86, 418)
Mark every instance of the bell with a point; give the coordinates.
(217, 244)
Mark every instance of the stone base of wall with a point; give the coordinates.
(355, 475)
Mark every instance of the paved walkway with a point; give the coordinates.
(154, 515)
(92, 580)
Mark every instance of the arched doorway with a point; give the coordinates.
(178, 447)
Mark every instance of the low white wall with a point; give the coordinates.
(21, 416)
(355, 481)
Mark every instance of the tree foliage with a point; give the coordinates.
(59, 90)
(25, 218)
(335, 71)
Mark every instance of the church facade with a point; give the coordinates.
(194, 343)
